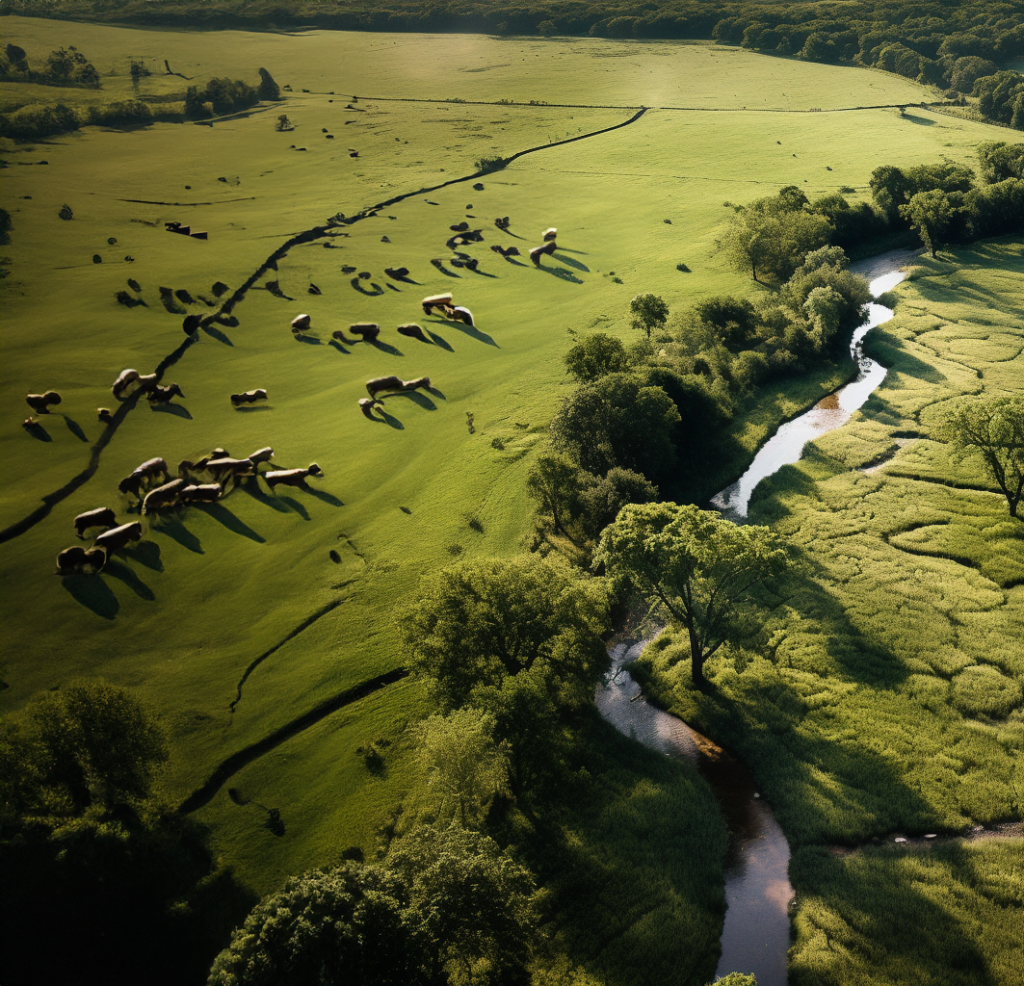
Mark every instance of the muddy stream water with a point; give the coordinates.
(755, 938)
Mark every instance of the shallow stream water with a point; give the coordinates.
(755, 938)
(787, 444)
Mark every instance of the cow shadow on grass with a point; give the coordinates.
(386, 348)
(473, 332)
(335, 344)
(290, 503)
(375, 293)
(92, 593)
(259, 494)
(481, 273)
(385, 418)
(75, 428)
(561, 274)
(177, 531)
(253, 408)
(435, 392)
(222, 515)
(439, 341)
(123, 573)
(147, 553)
(570, 262)
(308, 340)
(324, 497)
(176, 409)
(38, 432)
(217, 334)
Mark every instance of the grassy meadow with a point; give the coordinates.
(892, 705)
(214, 592)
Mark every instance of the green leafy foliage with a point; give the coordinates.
(596, 356)
(696, 568)
(648, 312)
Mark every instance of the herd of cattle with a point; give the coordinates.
(213, 476)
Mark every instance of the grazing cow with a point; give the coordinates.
(186, 467)
(291, 477)
(413, 331)
(40, 403)
(223, 470)
(381, 384)
(206, 493)
(150, 469)
(100, 517)
(164, 395)
(460, 314)
(125, 379)
(300, 323)
(80, 561)
(550, 234)
(441, 301)
(118, 537)
(537, 252)
(163, 496)
(368, 330)
(261, 455)
(249, 397)
(366, 405)
(103, 413)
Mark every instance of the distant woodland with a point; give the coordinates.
(958, 45)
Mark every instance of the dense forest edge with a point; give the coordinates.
(960, 48)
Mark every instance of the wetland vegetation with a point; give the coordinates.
(394, 662)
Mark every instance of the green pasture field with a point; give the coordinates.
(894, 701)
(184, 614)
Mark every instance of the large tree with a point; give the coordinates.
(596, 356)
(693, 565)
(618, 421)
(480, 622)
(931, 214)
(648, 312)
(993, 430)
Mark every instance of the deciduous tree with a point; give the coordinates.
(993, 430)
(693, 565)
(649, 312)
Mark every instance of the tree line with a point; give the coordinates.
(957, 45)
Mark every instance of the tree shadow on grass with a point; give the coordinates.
(93, 593)
(222, 515)
(177, 531)
(926, 938)
(123, 573)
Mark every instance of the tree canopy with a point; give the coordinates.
(993, 430)
(694, 566)
(648, 312)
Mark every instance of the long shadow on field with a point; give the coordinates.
(123, 573)
(93, 593)
(341, 349)
(147, 553)
(290, 503)
(38, 432)
(325, 497)
(177, 531)
(251, 408)
(176, 409)
(439, 341)
(926, 938)
(75, 428)
(257, 493)
(561, 274)
(386, 348)
(215, 333)
(473, 332)
(224, 516)
(435, 392)
(480, 273)
(308, 340)
(421, 399)
(375, 293)
(570, 262)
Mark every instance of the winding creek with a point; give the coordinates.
(755, 938)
